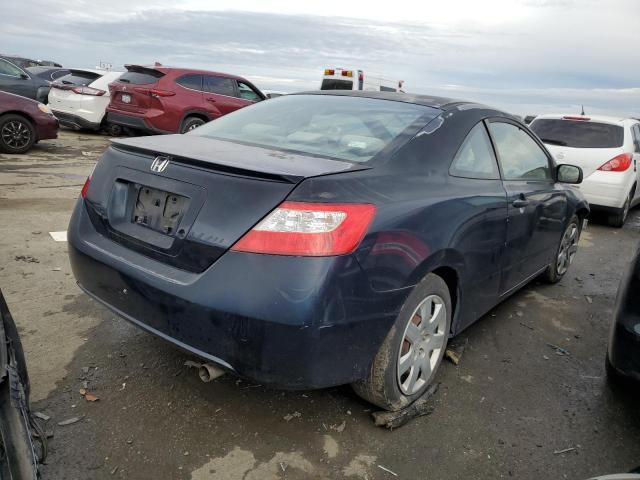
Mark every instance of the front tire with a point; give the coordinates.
(565, 253)
(17, 134)
(410, 355)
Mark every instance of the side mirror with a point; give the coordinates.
(24, 76)
(569, 174)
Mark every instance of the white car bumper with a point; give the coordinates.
(606, 189)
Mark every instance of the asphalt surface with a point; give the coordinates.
(507, 410)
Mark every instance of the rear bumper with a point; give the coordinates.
(607, 190)
(134, 121)
(75, 121)
(287, 322)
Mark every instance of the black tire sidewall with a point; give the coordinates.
(190, 121)
(32, 131)
(430, 285)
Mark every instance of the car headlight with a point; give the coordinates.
(44, 108)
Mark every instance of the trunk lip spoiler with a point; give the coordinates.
(199, 159)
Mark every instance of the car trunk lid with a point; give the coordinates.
(184, 200)
(589, 159)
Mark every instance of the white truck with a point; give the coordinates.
(354, 79)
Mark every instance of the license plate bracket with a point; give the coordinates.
(159, 210)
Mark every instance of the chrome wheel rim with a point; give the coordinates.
(625, 212)
(568, 249)
(422, 344)
(15, 134)
(193, 126)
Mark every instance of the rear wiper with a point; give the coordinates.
(554, 142)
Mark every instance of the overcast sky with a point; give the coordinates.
(526, 56)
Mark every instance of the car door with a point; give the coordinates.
(191, 95)
(220, 94)
(635, 133)
(536, 208)
(482, 236)
(12, 80)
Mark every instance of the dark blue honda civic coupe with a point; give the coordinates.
(326, 238)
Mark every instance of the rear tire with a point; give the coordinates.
(565, 253)
(17, 134)
(410, 355)
(191, 123)
(618, 218)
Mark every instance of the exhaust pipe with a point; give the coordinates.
(209, 371)
(206, 371)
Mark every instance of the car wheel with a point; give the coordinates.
(565, 253)
(17, 134)
(617, 219)
(191, 123)
(410, 355)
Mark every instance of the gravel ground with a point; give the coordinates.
(505, 411)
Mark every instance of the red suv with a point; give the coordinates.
(161, 99)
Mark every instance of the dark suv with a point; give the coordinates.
(162, 99)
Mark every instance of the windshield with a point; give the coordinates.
(346, 128)
(578, 133)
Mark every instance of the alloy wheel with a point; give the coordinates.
(568, 249)
(15, 134)
(422, 343)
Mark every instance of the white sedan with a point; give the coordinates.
(608, 151)
(80, 98)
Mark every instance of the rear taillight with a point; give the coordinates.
(618, 164)
(155, 92)
(82, 90)
(85, 187)
(309, 229)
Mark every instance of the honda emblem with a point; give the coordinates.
(159, 164)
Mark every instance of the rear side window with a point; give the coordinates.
(578, 133)
(387, 89)
(219, 85)
(331, 84)
(520, 156)
(475, 158)
(194, 82)
(636, 137)
(57, 74)
(77, 77)
(141, 77)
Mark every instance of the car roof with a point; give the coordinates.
(589, 118)
(442, 103)
(166, 69)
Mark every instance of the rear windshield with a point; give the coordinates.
(578, 133)
(77, 77)
(140, 77)
(346, 128)
(331, 84)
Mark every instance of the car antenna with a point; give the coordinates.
(582, 110)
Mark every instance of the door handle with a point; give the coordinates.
(210, 99)
(520, 203)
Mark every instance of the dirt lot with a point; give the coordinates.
(505, 411)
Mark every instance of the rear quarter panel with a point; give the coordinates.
(427, 219)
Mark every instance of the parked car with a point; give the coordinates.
(529, 118)
(326, 238)
(623, 352)
(50, 74)
(14, 79)
(162, 99)
(24, 122)
(25, 63)
(608, 151)
(354, 79)
(80, 98)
